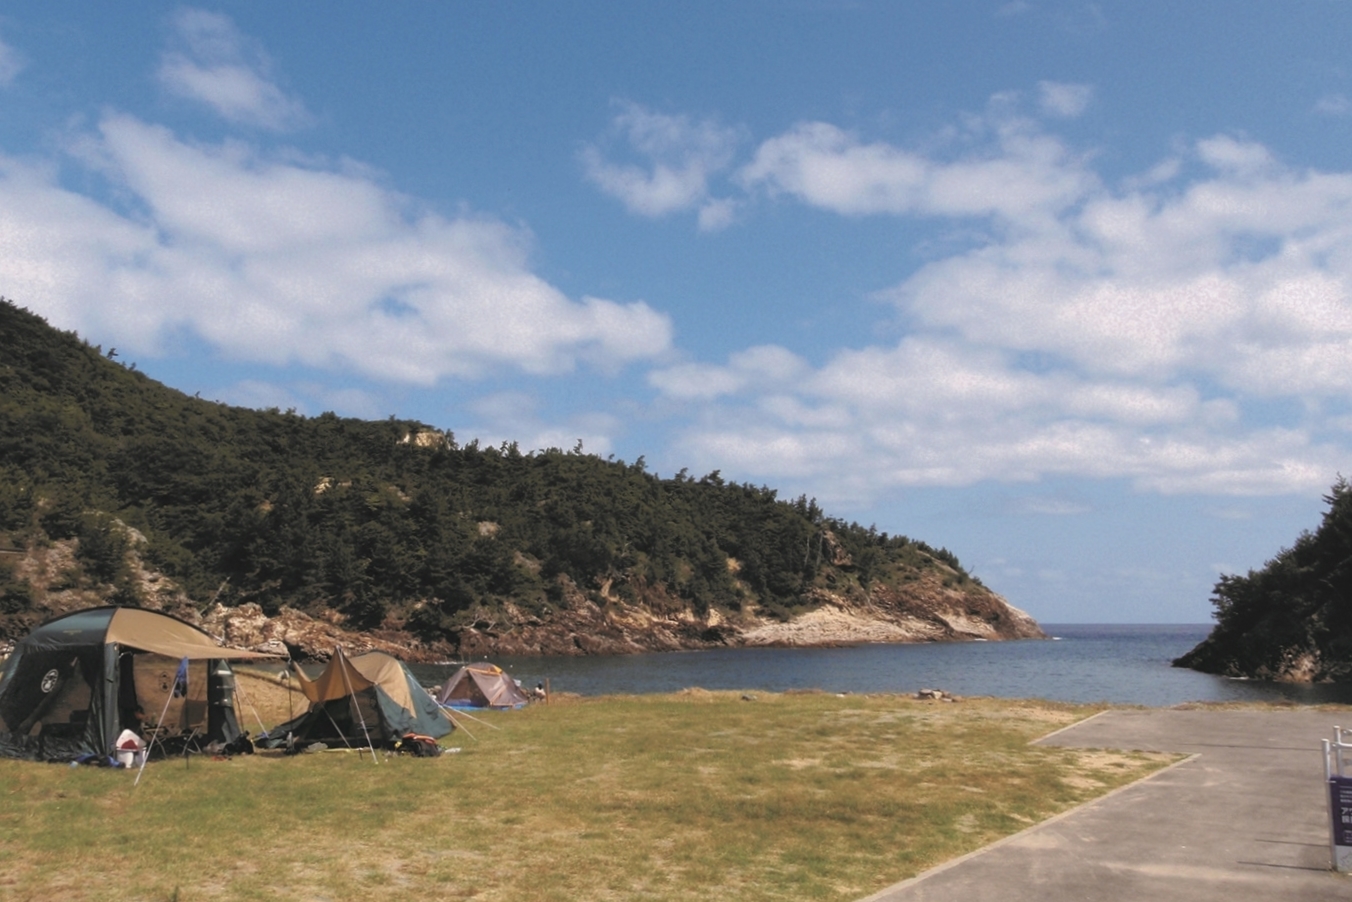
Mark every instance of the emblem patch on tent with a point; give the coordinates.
(49, 680)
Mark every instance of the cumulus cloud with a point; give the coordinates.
(766, 365)
(1097, 331)
(216, 65)
(679, 156)
(273, 261)
(1023, 172)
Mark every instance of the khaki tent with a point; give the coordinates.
(481, 686)
(370, 700)
(77, 681)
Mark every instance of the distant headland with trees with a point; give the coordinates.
(1292, 619)
(115, 489)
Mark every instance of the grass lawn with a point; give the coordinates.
(695, 795)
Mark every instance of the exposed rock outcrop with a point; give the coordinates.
(300, 636)
(583, 623)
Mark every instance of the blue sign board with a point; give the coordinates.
(1340, 790)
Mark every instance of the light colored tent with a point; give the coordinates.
(77, 681)
(481, 686)
(368, 700)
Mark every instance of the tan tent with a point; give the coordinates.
(370, 700)
(77, 681)
(481, 686)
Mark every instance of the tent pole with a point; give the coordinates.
(337, 729)
(464, 713)
(353, 695)
(240, 692)
(290, 709)
(158, 726)
(458, 725)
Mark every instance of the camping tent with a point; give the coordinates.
(371, 699)
(481, 686)
(77, 681)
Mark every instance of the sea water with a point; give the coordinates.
(1117, 663)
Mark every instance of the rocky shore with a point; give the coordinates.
(933, 607)
(927, 613)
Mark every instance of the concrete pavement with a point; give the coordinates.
(1243, 820)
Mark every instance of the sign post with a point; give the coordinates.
(1340, 801)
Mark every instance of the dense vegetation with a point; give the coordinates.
(383, 521)
(1293, 618)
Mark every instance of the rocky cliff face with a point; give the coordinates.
(927, 611)
(1267, 653)
(930, 612)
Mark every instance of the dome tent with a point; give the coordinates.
(481, 686)
(73, 684)
(369, 700)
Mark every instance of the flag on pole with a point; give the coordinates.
(181, 679)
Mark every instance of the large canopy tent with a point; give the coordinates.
(368, 700)
(77, 681)
(481, 686)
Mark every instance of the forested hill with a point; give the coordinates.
(117, 489)
(1291, 620)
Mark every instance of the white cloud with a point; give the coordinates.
(764, 366)
(1064, 101)
(1157, 312)
(270, 260)
(1232, 156)
(1025, 172)
(926, 413)
(679, 157)
(515, 417)
(717, 214)
(220, 67)
(1056, 507)
(11, 64)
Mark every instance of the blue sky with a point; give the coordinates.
(1063, 287)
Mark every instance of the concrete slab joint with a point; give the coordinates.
(1244, 818)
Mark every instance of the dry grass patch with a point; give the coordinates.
(687, 796)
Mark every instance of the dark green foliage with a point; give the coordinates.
(16, 596)
(1298, 606)
(327, 512)
(102, 550)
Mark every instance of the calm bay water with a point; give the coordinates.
(1124, 664)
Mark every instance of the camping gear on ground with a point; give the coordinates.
(131, 749)
(76, 682)
(369, 701)
(417, 746)
(481, 685)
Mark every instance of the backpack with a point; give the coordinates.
(418, 746)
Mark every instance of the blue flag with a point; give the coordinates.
(181, 679)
